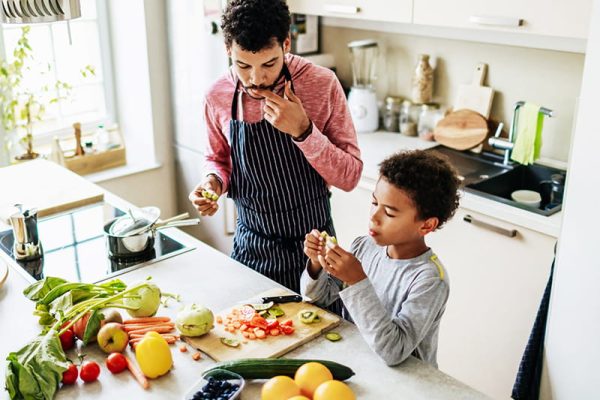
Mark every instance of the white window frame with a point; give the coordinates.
(108, 81)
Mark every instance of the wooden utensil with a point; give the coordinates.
(475, 96)
(461, 130)
(272, 346)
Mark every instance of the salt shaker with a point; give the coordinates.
(422, 81)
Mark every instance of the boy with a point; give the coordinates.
(393, 286)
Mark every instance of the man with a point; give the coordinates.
(279, 134)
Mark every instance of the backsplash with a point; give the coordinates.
(548, 78)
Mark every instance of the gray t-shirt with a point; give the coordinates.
(398, 307)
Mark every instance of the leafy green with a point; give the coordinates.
(93, 326)
(35, 371)
(39, 289)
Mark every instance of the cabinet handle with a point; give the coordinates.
(486, 225)
(341, 9)
(494, 20)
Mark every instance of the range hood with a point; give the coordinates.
(38, 11)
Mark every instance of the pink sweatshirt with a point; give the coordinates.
(331, 149)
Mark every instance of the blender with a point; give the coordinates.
(362, 100)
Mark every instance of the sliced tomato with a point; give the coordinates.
(259, 322)
(287, 322)
(272, 324)
(287, 330)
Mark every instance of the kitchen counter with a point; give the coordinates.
(200, 276)
(375, 147)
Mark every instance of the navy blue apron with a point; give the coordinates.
(279, 198)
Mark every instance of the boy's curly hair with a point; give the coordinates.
(428, 179)
(253, 24)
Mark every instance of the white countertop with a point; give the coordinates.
(208, 277)
(375, 147)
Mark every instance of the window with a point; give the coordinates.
(90, 101)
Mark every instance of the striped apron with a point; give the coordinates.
(279, 198)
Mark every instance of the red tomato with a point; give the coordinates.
(89, 371)
(116, 362)
(287, 330)
(70, 375)
(67, 340)
(288, 322)
(259, 322)
(272, 324)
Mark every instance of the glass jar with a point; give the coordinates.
(391, 114)
(422, 81)
(428, 118)
(408, 124)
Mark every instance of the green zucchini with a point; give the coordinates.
(267, 368)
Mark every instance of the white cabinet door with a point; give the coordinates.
(496, 284)
(553, 18)
(376, 10)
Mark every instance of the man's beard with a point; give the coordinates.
(264, 87)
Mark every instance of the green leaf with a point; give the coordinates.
(93, 326)
(35, 371)
(39, 289)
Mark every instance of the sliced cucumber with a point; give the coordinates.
(333, 336)
(262, 307)
(230, 342)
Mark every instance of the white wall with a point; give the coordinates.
(546, 77)
(141, 70)
(573, 333)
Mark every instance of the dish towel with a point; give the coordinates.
(527, 383)
(528, 141)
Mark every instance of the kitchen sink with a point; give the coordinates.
(522, 177)
(483, 174)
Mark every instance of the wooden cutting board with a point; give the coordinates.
(34, 184)
(475, 96)
(461, 130)
(272, 346)
(3, 272)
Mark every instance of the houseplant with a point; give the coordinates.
(21, 105)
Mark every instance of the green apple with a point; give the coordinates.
(112, 338)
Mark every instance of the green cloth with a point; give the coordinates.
(529, 127)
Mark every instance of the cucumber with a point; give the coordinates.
(333, 336)
(267, 368)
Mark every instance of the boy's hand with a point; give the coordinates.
(314, 244)
(342, 264)
(204, 196)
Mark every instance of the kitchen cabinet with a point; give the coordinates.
(563, 19)
(496, 284)
(376, 10)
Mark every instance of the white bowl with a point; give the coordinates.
(527, 197)
(219, 374)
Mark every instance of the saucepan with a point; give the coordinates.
(134, 233)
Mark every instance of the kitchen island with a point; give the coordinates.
(206, 276)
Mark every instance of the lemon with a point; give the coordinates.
(153, 355)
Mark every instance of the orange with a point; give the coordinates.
(334, 390)
(279, 388)
(299, 398)
(310, 375)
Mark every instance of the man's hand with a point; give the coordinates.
(285, 113)
(202, 198)
(342, 264)
(314, 245)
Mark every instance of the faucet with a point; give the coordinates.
(508, 145)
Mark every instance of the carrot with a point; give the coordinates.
(158, 328)
(183, 348)
(139, 376)
(196, 356)
(147, 320)
(141, 335)
(129, 328)
(219, 319)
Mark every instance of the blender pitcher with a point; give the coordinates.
(362, 100)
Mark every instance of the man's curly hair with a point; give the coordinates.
(428, 179)
(253, 24)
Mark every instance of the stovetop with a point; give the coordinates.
(76, 249)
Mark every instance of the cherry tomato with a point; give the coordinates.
(89, 371)
(116, 362)
(70, 375)
(67, 340)
(287, 330)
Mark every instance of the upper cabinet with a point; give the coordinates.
(569, 19)
(375, 10)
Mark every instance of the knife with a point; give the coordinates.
(292, 298)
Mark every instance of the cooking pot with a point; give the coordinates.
(134, 243)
